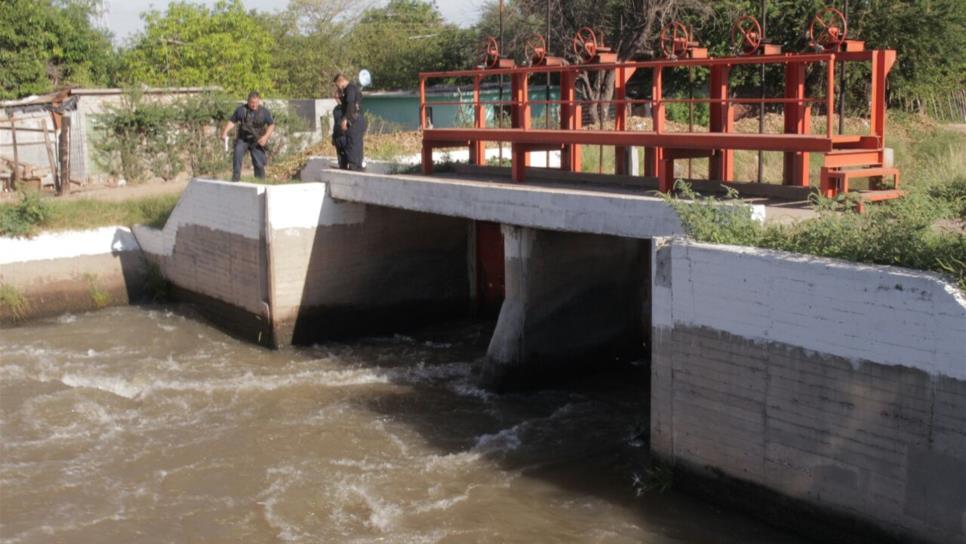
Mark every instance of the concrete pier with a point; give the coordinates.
(573, 302)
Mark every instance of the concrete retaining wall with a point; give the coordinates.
(839, 386)
(339, 267)
(277, 264)
(69, 271)
(212, 249)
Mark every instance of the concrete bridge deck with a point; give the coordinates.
(552, 200)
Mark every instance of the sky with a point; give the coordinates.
(123, 17)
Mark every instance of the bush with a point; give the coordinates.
(900, 233)
(22, 219)
(141, 139)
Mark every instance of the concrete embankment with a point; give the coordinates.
(825, 386)
(69, 271)
(277, 264)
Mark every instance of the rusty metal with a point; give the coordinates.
(746, 35)
(677, 41)
(828, 30)
(847, 156)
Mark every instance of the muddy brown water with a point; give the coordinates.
(148, 425)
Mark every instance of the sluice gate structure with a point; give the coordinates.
(846, 156)
(819, 392)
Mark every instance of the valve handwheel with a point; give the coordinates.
(490, 55)
(746, 35)
(828, 29)
(585, 44)
(675, 39)
(536, 49)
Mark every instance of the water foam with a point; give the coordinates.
(139, 388)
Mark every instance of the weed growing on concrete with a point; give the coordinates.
(99, 297)
(156, 286)
(13, 300)
(658, 477)
(900, 233)
(24, 218)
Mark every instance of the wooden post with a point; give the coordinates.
(63, 153)
(50, 157)
(15, 177)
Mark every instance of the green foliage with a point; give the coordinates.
(99, 297)
(658, 477)
(157, 288)
(309, 46)
(73, 214)
(708, 219)
(141, 138)
(46, 44)
(23, 218)
(192, 45)
(133, 139)
(900, 233)
(13, 300)
(679, 113)
(398, 41)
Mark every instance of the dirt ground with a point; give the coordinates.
(112, 194)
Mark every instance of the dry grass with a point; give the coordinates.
(382, 146)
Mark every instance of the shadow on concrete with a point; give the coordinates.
(394, 271)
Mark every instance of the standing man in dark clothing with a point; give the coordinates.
(353, 123)
(339, 138)
(255, 127)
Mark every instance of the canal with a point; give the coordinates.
(147, 425)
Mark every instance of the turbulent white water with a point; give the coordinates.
(134, 425)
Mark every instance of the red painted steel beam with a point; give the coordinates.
(681, 140)
(797, 121)
(855, 56)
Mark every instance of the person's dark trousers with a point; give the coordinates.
(354, 144)
(259, 159)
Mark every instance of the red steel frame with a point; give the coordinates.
(844, 154)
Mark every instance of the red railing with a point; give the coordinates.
(568, 132)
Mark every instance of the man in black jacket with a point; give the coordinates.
(255, 127)
(353, 122)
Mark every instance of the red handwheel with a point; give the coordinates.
(536, 49)
(490, 54)
(746, 35)
(674, 40)
(828, 29)
(585, 44)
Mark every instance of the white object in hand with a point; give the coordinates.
(226, 144)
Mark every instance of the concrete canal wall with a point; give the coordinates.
(836, 385)
(277, 264)
(71, 271)
(338, 267)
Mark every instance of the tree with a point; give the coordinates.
(395, 43)
(631, 27)
(191, 45)
(46, 44)
(309, 43)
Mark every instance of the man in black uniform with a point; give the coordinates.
(255, 127)
(339, 138)
(353, 123)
